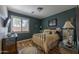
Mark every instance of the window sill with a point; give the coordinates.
(20, 32)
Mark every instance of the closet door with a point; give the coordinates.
(77, 26)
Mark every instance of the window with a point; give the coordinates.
(19, 24)
(25, 25)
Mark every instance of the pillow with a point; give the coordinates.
(49, 31)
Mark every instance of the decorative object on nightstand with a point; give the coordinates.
(68, 34)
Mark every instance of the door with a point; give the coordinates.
(77, 26)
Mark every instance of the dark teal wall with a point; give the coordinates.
(35, 23)
(61, 18)
(34, 26)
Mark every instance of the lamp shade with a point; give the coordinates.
(68, 25)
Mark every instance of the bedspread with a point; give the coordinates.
(46, 41)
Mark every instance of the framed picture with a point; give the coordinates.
(52, 23)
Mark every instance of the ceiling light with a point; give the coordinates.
(39, 9)
(32, 12)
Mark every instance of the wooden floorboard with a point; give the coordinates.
(56, 50)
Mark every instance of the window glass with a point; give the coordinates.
(19, 24)
(25, 25)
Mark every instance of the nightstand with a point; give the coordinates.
(9, 45)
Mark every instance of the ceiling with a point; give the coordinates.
(31, 10)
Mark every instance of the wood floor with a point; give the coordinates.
(56, 50)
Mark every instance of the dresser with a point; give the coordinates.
(9, 45)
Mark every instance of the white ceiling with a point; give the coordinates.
(47, 9)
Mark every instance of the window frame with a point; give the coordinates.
(21, 24)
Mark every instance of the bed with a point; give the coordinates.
(46, 40)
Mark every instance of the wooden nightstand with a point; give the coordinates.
(9, 45)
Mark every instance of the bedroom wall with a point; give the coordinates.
(34, 26)
(35, 23)
(3, 11)
(61, 18)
